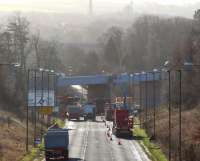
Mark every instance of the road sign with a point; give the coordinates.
(43, 98)
(37, 141)
(46, 110)
(55, 109)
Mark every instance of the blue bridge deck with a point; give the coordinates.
(107, 79)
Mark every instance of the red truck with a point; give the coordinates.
(122, 123)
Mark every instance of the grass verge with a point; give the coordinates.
(34, 153)
(60, 122)
(39, 150)
(156, 153)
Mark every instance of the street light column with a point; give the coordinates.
(169, 106)
(180, 115)
(146, 102)
(140, 86)
(42, 100)
(27, 114)
(35, 104)
(154, 105)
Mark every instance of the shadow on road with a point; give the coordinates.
(71, 159)
(131, 137)
(75, 159)
(76, 120)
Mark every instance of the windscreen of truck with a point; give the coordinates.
(74, 110)
(88, 108)
(56, 141)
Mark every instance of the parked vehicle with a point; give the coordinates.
(89, 112)
(56, 142)
(74, 112)
(109, 111)
(122, 124)
(100, 105)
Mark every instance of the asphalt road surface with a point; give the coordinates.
(89, 141)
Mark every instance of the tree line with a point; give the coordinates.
(146, 44)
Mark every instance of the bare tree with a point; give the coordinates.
(18, 28)
(35, 42)
(113, 54)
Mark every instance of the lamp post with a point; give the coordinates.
(169, 107)
(146, 101)
(140, 84)
(27, 115)
(154, 102)
(35, 105)
(130, 101)
(180, 115)
(50, 73)
(42, 101)
(18, 65)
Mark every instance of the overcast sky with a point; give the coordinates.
(78, 5)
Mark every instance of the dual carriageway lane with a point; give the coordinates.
(89, 142)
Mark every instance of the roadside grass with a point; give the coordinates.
(34, 153)
(156, 153)
(38, 152)
(60, 122)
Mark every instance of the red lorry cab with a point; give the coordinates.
(122, 122)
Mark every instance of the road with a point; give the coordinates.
(89, 141)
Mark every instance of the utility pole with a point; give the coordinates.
(27, 113)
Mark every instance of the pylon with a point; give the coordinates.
(119, 142)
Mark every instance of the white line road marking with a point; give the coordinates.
(83, 153)
(134, 151)
(70, 125)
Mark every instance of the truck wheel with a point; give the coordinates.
(66, 157)
(117, 133)
(114, 131)
(47, 159)
(130, 134)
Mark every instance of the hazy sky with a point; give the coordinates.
(77, 5)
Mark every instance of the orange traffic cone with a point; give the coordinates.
(119, 142)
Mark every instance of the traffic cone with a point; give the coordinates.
(119, 142)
